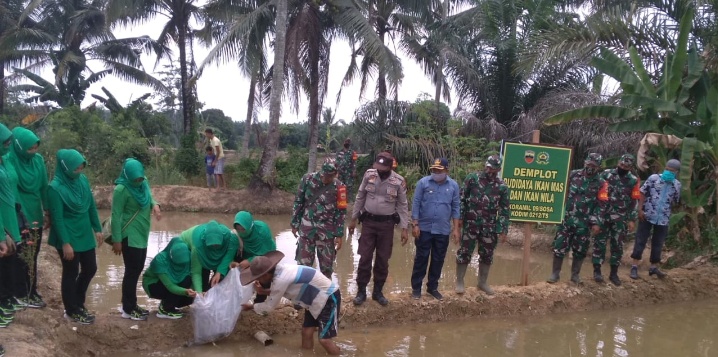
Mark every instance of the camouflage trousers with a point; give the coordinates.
(317, 244)
(572, 234)
(614, 232)
(487, 239)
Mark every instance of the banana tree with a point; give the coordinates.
(684, 103)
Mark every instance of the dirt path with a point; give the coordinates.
(46, 333)
(199, 199)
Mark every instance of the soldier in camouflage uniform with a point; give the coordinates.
(581, 215)
(317, 221)
(347, 166)
(618, 213)
(485, 213)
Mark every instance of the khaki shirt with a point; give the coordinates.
(382, 198)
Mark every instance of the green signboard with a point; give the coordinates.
(537, 176)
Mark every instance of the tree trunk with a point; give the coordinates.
(313, 113)
(250, 113)
(263, 181)
(439, 75)
(381, 85)
(187, 102)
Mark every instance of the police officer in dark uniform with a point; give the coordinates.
(380, 205)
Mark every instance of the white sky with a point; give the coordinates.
(223, 87)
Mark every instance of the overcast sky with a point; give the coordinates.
(223, 87)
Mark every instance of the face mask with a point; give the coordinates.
(245, 233)
(346, 146)
(137, 184)
(438, 177)
(4, 149)
(491, 175)
(621, 172)
(384, 174)
(668, 176)
(592, 170)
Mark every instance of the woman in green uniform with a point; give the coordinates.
(168, 279)
(75, 231)
(9, 231)
(255, 239)
(31, 194)
(132, 206)
(213, 247)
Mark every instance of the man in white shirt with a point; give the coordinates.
(218, 163)
(304, 286)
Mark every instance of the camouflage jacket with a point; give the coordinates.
(346, 166)
(582, 200)
(318, 214)
(620, 205)
(485, 200)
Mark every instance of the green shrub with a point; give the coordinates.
(188, 160)
(238, 175)
(291, 169)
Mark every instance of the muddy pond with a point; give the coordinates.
(688, 329)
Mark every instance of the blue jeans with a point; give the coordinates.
(433, 245)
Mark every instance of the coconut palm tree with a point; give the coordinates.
(77, 33)
(177, 30)
(233, 42)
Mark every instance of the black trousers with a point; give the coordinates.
(21, 277)
(6, 278)
(169, 300)
(134, 259)
(33, 283)
(76, 276)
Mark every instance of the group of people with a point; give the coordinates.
(601, 205)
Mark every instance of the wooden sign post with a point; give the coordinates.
(528, 230)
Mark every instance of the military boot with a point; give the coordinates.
(613, 277)
(576, 270)
(361, 295)
(483, 277)
(460, 273)
(378, 295)
(557, 262)
(597, 273)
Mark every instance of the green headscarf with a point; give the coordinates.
(257, 237)
(5, 135)
(244, 219)
(6, 191)
(174, 261)
(74, 189)
(211, 240)
(132, 170)
(29, 166)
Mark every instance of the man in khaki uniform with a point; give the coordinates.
(380, 205)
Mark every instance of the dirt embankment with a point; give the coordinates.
(199, 199)
(46, 333)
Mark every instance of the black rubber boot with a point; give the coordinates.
(576, 270)
(597, 273)
(361, 295)
(557, 262)
(377, 294)
(614, 276)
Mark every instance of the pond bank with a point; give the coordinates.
(45, 332)
(201, 199)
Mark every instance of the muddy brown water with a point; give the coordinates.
(687, 329)
(105, 292)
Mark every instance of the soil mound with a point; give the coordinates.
(199, 199)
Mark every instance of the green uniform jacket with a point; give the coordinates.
(7, 209)
(33, 203)
(124, 206)
(67, 227)
(222, 268)
(150, 277)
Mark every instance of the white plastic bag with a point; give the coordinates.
(215, 314)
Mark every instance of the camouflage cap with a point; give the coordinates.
(594, 158)
(627, 159)
(328, 168)
(494, 162)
